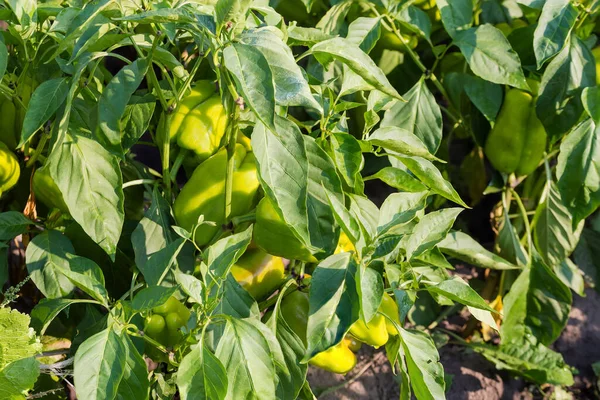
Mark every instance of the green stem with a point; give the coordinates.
(525, 217)
(177, 164)
(38, 151)
(251, 217)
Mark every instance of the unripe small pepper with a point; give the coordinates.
(9, 169)
(273, 235)
(164, 324)
(259, 273)
(518, 140)
(204, 193)
(199, 121)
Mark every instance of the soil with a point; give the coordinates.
(472, 376)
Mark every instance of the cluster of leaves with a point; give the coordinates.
(331, 108)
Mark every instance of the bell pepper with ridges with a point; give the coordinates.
(204, 193)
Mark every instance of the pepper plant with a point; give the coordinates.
(207, 197)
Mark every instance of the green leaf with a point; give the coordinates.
(491, 56)
(578, 170)
(486, 96)
(400, 208)
(100, 364)
(559, 104)
(585, 255)
(554, 235)
(431, 177)
(136, 119)
(537, 303)
(17, 339)
(230, 11)
(90, 180)
(530, 359)
(398, 179)
(114, 99)
(590, 96)
(221, 256)
(346, 153)
(46, 257)
(429, 231)
(79, 23)
(18, 378)
(571, 276)
(12, 224)
(254, 80)
(369, 285)
(291, 87)
(334, 303)
(135, 384)
(364, 32)
(402, 141)
(283, 172)
(458, 290)
(45, 100)
(333, 20)
(159, 263)
(153, 232)
(87, 276)
(160, 16)
(423, 364)
(322, 180)
(457, 15)
(150, 297)
(293, 350)
(508, 243)
(415, 19)
(553, 29)
(245, 353)
(349, 224)
(420, 115)
(462, 246)
(191, 286)
(47, 309)
(201, 376)
(235, 301)
(357, 60)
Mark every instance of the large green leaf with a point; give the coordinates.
(283, 171)
(100, 364)
(201, 376)
(553, 29)
(254, 79)
(46, 257)
(357, 60)
(578, 170)
(334, 303)
(46, 99)
(465, 248)
(12, 224)
(457, 15)
(17, 339)
(18, 378)
(555, 237)
(423, 364)
(559, 103)
(291, 87)
(246, 355)
(538, 303)
(114, 99)
(429, 231)
(90, 180)
(491, 56)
